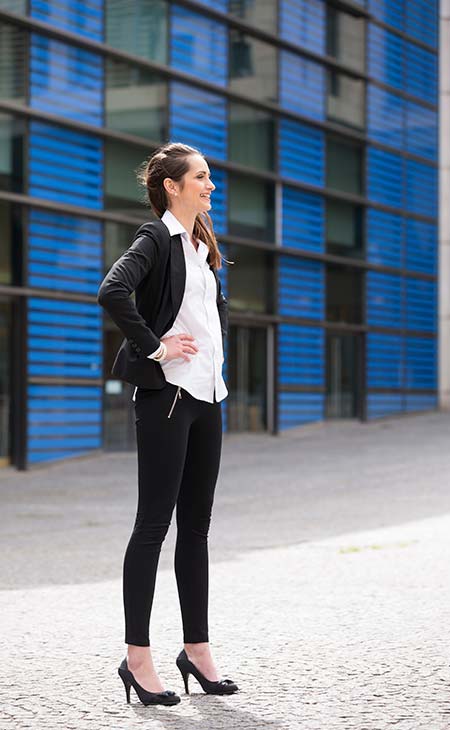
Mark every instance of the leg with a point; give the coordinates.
(194, 507)
(161, 447)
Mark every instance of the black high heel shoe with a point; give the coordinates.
(220, 687)
(147, 698)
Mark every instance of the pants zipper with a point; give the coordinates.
(177, 395)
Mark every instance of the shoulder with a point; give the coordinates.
(154, 229)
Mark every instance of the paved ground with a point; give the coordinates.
(330, 593)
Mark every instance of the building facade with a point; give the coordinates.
(319, 120)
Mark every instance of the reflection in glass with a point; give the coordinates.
(12, 132)
(342, 375)
(346, 38)
(344, 165)
(344, 294)
(247, 378)
(259, 13)
(122, 193)
(344, 228)
(138, 27)
(5, 378)
(251, 137)
(250, 279)
(13, 45)
(251, 207)
(345, 99)
(253, 67)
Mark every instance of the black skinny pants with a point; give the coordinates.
(178, 464)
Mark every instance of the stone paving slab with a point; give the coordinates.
(349, 632)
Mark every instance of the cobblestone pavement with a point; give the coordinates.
(339, 620)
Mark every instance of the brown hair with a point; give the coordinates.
(171, 160)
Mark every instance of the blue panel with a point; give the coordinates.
(384, 238)
(421, 402)
(198, 118)
(421, 131)
(78, 16)
(421, 73)
(66, 80)
(385, 117)
(298, 73)
(388, 11)
(301, 150)
(65, 166)
(300, 355)
(422, 20)
(421, 188)
(54, 261)
(420, 363)
(301, 288)
(385, 177)
(302, 22)
(384, 299)
(303, 220)
(199, 45)
(385, 56)
(384, 361)
(421, 305)
(47, 353)
(218, 210)
(63, 421)
(384, 404)
(296, 409)
(421, 246)
(221, 5)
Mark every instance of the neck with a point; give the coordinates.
(186, 218)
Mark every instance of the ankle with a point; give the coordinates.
(198, 649)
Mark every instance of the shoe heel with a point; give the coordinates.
(127, 687)
(185, 676)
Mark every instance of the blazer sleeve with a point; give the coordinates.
(117, 286)
(222, 306)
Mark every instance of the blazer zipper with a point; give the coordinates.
(177, 395)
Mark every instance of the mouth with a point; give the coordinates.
(205, 195)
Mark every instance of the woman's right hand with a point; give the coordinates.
(180, 346)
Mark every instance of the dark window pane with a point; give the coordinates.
(251, 135)
(253, 67)
(12, 132)
(251, 208)
(344, 294)
(15, 6)
(346, 38)
(11, 243)
(345, 100)
(13, 42)
(259, 13)
(250, 279)
(247, 378)
(344, 165)
(344, 226)
(138, 27)
(122, 192)
(342, 375)
(135, 100)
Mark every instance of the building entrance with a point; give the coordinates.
(247, 378)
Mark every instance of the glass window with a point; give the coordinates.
(259, 13)
(12, 132)
(14, 6)
(344, 165)
(251, 208)
(118, 237)
(247, 378)
(345, 99)
(344, 226)
(13, 43)
(138, 27)
(346, 38)
(6, 321)
(250, 279)
(344, 294)
(11, 243)
(253, 67)
(122, 193)
(135, 100)
(251, 137)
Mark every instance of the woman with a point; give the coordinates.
(173, 354)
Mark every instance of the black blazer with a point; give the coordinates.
(153, 267)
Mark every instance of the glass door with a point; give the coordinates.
(343, 375)
(247, 378)
(5, 382)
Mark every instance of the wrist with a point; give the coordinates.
(162, 354)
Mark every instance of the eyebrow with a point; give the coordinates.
(201, 171)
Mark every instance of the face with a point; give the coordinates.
(193, 194)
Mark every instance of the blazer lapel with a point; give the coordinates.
(177, 272)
